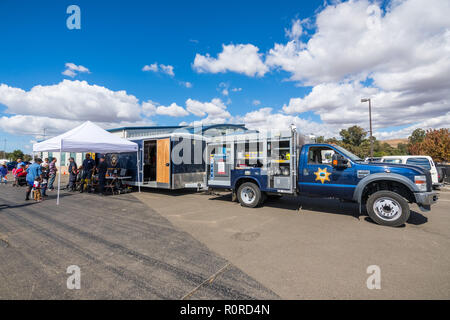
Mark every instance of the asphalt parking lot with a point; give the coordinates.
(124, 249)
(175, 245)
(303, 248)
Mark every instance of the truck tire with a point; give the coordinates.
(388, 208)
(249, 195)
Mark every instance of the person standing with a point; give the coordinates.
(102, 169)
(45, 164)
(44, 182)
(52, 174)
(34, 171)
(88, 169)
(20, 162)
(3, 173)
(73, 171)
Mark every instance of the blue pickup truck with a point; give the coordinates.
(257, 166)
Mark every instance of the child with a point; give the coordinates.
(3, 173)
(20, 173)
(44, 181)
(16, 179)
(36, 189)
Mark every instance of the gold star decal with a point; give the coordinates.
(322, 175)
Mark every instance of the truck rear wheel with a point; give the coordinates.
(388, 208)
(249, 195)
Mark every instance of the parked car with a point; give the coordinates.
(422, 161)
(374, 159)
(441, 174)
(11, 165)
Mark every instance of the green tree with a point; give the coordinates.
(16, 154)
(417, 136)
(354, 135)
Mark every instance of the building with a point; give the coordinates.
(146, 131)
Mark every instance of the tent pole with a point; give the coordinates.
(59, 171)
(137, 164)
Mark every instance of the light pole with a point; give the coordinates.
(370, 120)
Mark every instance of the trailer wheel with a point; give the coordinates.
(388, 208)
(249, 195)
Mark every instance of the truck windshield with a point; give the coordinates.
(348, 154)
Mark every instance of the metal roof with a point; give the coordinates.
(189, 128)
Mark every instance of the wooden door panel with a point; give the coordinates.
(163, 161)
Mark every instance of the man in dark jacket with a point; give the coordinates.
(73, 171)
(102, 168)
(88, 169)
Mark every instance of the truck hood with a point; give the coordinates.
(394, 167)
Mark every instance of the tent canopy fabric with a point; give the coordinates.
(86, 137)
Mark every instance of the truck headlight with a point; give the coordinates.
(421, 182)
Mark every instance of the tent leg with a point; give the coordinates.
(138, 176)
(59, 177)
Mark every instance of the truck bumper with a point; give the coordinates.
(426, 199)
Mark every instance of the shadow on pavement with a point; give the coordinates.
(323, 205)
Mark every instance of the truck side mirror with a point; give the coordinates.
(338, 161)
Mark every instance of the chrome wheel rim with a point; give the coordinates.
(387, 209)
(248, 195)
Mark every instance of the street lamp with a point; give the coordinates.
(370, 120)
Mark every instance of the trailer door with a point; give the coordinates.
(163, 161)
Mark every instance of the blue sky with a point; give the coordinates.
(118, 38)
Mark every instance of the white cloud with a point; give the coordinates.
(151, 108)
(215, 109)
(71, 100)
(173, 110)
(35, 125)
(354, 39)
(236, 89)
(152, 67)
(265, 119)
(186, 84)
(256, 102)
(399, 58)
(296, 30)
(167, 69)
(242, 58)
(69, 73)
(72, 69)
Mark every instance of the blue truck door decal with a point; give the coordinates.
(319, 178)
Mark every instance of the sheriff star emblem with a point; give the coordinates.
(322, 175)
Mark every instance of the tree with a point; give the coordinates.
(436, 144)
(417, 136)
(402, 148)
(16, 154)
(354, 135)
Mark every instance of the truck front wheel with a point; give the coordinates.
(249, 195)
(388, 208)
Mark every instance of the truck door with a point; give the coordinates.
(318, 177)
(163, 161)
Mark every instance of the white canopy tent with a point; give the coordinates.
(87, 137)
